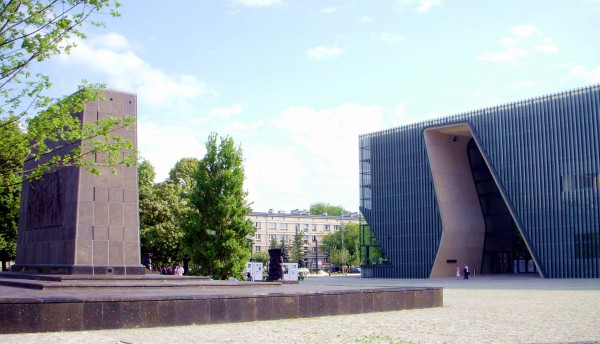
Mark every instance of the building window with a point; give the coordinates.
(336, 227)
(257, 248)
(257, 237)
(257, 224)
(314, 238)
(297, 226)
(272, 237)
(283, 237)
(272, 225)
(314, 250)
(306, 226)
(314, 227)
(283, 225)
(326, 227)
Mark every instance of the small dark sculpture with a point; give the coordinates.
(275, 264)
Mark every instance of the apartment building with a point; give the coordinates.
(282, 226)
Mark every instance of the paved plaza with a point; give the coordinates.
(483, 309)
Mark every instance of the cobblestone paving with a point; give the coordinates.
(500, 309)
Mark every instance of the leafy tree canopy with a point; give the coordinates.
(297, 250)
(331, 210)
(216, 228)
(351, 238)
(182, 174)
(40, 133)
(160, 217)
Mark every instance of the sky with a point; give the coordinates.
(296, 82)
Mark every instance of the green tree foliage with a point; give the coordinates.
(273, 243)
(297, 249)
(286, 250)
(32, 31)
(182, 174)
(262, 257)
(10, 197)
(321, 208)
(351, 243)
(336, 256)
(216, 227)
(160, 217)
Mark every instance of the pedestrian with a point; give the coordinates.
(179, 270)
(249, 276)
(457, 272)
(466, 271)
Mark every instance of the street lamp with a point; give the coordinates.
(316, 253)
(250, 240)
(342, 227)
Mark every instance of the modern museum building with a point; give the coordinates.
(513, 188)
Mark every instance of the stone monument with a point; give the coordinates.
(73, 222)
(275, 264)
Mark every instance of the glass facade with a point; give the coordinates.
(543, 159)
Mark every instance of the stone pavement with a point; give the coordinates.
(484, 309)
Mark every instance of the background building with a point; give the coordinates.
(283, 226)
(506, 189)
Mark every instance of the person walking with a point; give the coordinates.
(457, 272)
(466, 271)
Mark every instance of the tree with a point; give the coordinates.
(336, 256)
(297, 250)
(36, 127)
(351, 243)
(273, 243)
(285, 247)
(160, 219)
(33, 31)
(10, 198)
(321, 208)
(182, 174)
(262, 257)
(216, 227)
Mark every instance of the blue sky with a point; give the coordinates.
(296, 82)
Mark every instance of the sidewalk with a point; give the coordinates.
(487, 309)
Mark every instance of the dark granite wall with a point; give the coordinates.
(76, 223)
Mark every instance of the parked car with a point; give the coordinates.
(354, 270)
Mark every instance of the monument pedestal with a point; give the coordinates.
(73, 222)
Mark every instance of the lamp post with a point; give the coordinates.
(342, 227)
(316, 253)
(250, 240)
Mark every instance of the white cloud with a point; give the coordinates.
(508, 55)
(325, 151)
(329, 9)
(390, 37)
(322, 52)
(258, 3)
(522, 84)
(580, 72)
(421, 6)
(227, 112)
(547, 46)
(509, 41)
(526, 31)
(523, 39)
(157, 143)
(365, 19)
(110, 55)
